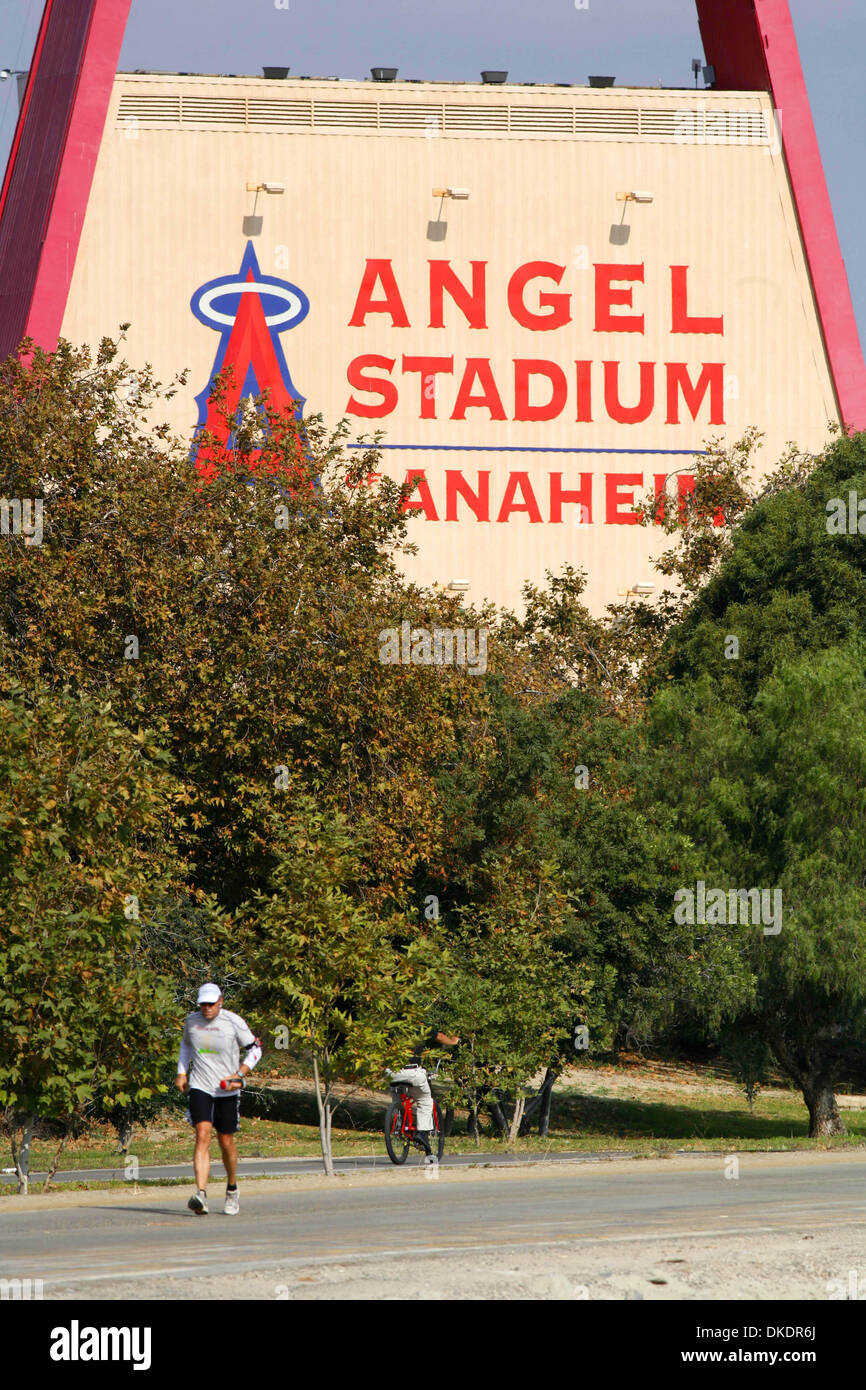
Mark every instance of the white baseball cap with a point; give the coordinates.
(208, 994)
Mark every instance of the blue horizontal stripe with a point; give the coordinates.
(523, 449)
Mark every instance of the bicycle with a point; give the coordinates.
(400, 1122)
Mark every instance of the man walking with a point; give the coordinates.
(210, 1055)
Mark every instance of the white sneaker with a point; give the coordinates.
(198, 1203)
(233, 1203)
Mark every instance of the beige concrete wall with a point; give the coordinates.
(543, 167)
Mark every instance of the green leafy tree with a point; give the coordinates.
(239, 618)
(513, 996)
(83, 808)
(784, 593)
(347, 984)
(779, 807)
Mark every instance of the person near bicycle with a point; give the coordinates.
(210, 1071)
(415, 1075)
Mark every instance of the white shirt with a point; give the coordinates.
(210, 1051)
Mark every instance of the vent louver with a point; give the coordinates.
(684, 125)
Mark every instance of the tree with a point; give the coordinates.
(348, 984)
(779, 808)
(183, 940)
(512, 995)
(83, 806)
(239, 617)
(784, 591)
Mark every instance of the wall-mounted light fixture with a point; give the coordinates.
(634, 197)
(458, 586)
(266, 188)
(641, 590)
(450, 192)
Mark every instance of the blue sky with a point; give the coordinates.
(641, 42)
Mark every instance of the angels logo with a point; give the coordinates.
(249, 311)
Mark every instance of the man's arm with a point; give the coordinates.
(183, 1060)
(252, 1049)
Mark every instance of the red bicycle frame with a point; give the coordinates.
(406, 1117)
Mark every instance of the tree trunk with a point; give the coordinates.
(124, 1133)
(324, 1119)
(824, 1115)
(55, 1162)
(519, 1107)
(472, 1128)
(499, 1117)
(546, 1100)
(21, 1153)
(448, 1121)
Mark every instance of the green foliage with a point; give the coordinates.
(349, 984)
(321, 796)
(780, 805)
(83, 806)
(256, 600)
(513, 996)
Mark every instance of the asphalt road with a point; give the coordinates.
(137, 1241)
(270, 1167)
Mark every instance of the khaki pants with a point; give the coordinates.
(419, 1086)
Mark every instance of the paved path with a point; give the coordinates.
(269, 1167)
(138, 1242)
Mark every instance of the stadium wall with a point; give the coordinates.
(537, 354)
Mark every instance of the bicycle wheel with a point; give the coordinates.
(396, 1142)
(437, 1142)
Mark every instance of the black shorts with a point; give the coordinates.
(223, 1112)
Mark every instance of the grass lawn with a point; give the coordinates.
(641, 1109)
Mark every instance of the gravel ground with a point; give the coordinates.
(823, 1266)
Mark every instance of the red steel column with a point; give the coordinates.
(48, 178)
(752, 46)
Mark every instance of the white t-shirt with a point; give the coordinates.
(211, 1051)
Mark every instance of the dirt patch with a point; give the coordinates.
(733, 1268)
(636, 1078)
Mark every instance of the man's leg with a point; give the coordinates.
(230, 1157)
(201, 1157)
(227, 1116)
(423, 1097)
